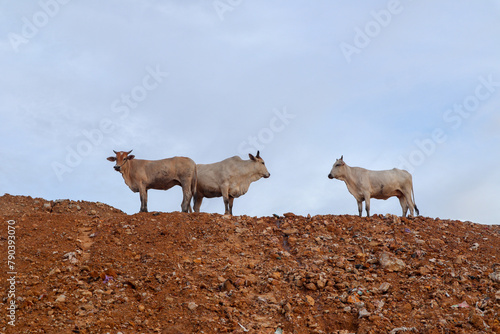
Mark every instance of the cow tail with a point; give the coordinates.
(194, 182)
(414, 204)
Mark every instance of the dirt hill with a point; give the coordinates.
(82, 267)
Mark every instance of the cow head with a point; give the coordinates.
(260, 165)
(121, 159)
(338, 169)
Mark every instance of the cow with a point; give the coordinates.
(364, 184)
(229, 178)
(141, 175)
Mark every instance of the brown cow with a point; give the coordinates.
(364, 184)
(141, 175)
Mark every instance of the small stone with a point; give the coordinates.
(310, 300)
(54, 271)
(424, 270)
(497, 295)
(353, 299)
(142, 308)
(391, 263)
(320, 284)
(290, 231)
(384, 287)
(61, 299)
(311, 286)
(459, 260)
(287, 307)
(228, 286)
(363, 313)
(87, 293)
(192, 306)
(495, 276)
(276, 275)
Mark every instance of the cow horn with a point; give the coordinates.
(258, 154)
(115, 152)
(129, 152)
(342, 157)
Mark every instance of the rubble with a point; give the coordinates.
(86, 267)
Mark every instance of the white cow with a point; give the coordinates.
(229, 178)
(364, 184)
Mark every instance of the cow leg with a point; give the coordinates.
(186, 197)
(404, 205)
(360, 208)
(409, 203)
(367, 206)
(230, 201)
(226, 206)
(198, 198)
(225, 196)
(143, 193)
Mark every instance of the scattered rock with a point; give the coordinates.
(353, 299)
(391, 263)
(384, 287)
(495, 276)
(60, 299)
(192, 306)
(363, 313)
(203, 272)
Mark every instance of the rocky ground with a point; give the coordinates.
(86, 267)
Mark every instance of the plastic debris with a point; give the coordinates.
(107, 279)
(461, 305)
(244, 329)
(403, 329)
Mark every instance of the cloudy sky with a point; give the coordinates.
(398, 83)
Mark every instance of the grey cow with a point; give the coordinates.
(364, 184)
(141, 175)
(229, 178)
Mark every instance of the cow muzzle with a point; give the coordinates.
(266, 176)
(117, 168)
(330, 176)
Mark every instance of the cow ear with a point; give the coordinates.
(251, 156)
(130, 157)
(111, 159)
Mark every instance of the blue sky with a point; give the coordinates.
(409, 84)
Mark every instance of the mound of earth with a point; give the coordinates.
(82, 267)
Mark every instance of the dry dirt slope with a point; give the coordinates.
(89, 268)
